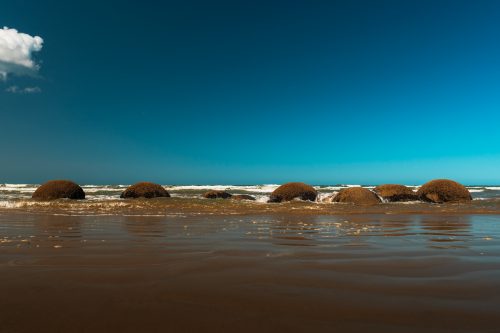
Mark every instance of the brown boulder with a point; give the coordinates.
(217, 195)
(242, 197)
(443, 190)
(58, 189)
(145, 190)
(290, 191)
(357, 195)
(393, 192)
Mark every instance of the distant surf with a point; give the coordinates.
(112, 192)
(105, 199)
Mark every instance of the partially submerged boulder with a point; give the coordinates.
(59, 189)
(357, 195)
(290, 191)
(144, 190)
(242, 197)
(217, 195)
(394, 192)
(443, 190)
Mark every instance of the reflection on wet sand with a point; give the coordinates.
(58, 231)
(151, 227)
(265, 273)
(446, 231)
(397, 226)
(292, 231)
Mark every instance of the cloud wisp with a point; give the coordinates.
(26, 90)
(16, 53)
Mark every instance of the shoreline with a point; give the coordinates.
(221, 207)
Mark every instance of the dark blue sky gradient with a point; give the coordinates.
(255, 92)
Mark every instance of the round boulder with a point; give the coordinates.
(290, 191)
(145, 190)
(357, 195)
(243, 197)
(393, 192)
(443, 190)
(217, 195)
(58, 189)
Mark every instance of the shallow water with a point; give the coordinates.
(194, 207)
(253, 272)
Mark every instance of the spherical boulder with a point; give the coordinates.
(393, 192)
(243, 197)
(145, 190)
(217, 195)
(290, 191)
(58, 189)
(443, 190)
(357, 195)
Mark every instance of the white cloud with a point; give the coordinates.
(26, 90)
(16, 51)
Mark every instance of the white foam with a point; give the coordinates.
(102, 197)
(325, 196)
(21, 203)
(18, 187)
(339, 187)
(116, 187)
(262, 198)
(329, 188)
(99, 189)
(267, 188)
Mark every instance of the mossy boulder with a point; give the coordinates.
(394, 192)
(443, 190)
(243, 197)
(217, 195)
(290, 191)
(357, 195)
(145, 190)
(59, 189)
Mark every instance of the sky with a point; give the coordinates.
(250, 92)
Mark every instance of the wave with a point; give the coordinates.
(266, 188)
(94, 192)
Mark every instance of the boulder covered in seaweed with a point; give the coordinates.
(290, 191)
(243, 197)
(357, 195)
(59, 189)
(144, 190)
(443, 190)
(394, 192)
(217, 195)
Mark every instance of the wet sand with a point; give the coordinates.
(269, 272)
(194, 206)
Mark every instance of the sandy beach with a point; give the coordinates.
(285, 270)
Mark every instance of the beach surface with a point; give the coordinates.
(216, 266)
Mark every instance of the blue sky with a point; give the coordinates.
(253, 92)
